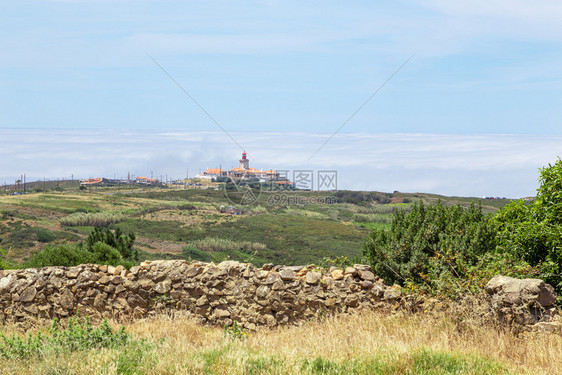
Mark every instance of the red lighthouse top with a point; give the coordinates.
(244, 155)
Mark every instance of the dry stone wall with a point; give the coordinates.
(215, 294)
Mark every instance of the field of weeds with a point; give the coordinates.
(370, 343)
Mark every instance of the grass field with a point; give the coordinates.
(171, 223)
(370, 343)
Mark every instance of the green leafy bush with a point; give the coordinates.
(532, 230)
(102, 253)
(101, 247)
(60, 255)
(429, 245)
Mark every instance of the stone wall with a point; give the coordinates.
(214, 294)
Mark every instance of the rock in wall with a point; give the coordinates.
(214, 294)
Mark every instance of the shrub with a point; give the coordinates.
(372, 218)
(93, 219)
(104, 254)
(44, 235)
(101, 247)
(429, 243)
(222, 244)
(115, 239)
(533, 230)
(60, 255)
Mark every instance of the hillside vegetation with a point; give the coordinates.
(188, 224)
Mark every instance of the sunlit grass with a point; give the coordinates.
(369, 343)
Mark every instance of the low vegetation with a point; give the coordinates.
(92, 219)
(369, 343)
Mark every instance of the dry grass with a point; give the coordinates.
(370, 343)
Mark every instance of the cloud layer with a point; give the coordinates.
(467, 165)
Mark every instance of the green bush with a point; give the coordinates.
(429, 245)
(60, 255)
(44, 235)
(104, 254)
(103, 246)
(115, 239)
(532, 231)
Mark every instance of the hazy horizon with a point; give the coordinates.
(463, 165)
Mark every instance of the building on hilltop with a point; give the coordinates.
(244, 173)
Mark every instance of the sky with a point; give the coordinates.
(476, 110)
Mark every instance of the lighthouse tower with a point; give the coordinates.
(244, 162)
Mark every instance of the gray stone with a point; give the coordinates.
(221, 312)
(313, 277)
(262, 291)
(73, 272)
(29, 294)
(66, 301)
(100, 301)
(287, 274)
(6, 283)
(366, 275)
(294, 268)
(272, 278)
(163, 287)
(521, 291)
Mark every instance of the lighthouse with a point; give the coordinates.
(244, 162)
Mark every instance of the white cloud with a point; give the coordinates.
(476, 165)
